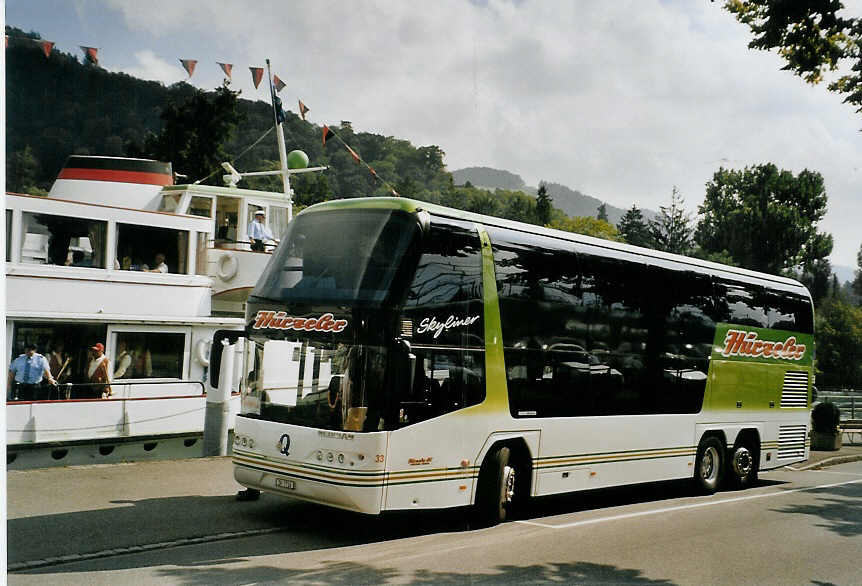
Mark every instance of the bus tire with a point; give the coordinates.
(742, 466)
(496, 488)
(227, 266)
(709, 465)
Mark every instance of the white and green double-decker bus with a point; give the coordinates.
(401, 355)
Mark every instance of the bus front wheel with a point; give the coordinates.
(496, 489)
(709, 465)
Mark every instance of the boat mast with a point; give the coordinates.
(235, 176)
(282, 152)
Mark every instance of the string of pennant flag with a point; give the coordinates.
(91, 56)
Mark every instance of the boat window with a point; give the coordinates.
(8, 235)
(148, 355)
(202, 267)
(60, 240)
(201, 206)
(139, 246)
(67, 348)
(277, 221)
(170, 202)
(227, 218)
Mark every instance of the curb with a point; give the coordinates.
(829, 462)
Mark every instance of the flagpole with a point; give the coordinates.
(282, 154)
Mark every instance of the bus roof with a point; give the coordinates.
(413, 206)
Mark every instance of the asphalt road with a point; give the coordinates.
(177, 522)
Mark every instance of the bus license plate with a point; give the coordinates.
(285, 483)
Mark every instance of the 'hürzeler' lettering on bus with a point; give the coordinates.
(743, 343)
(281, 321)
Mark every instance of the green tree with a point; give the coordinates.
(21, 170)
(633, 228)
(602, 212)
(817, 277)
(671, 231)
(857, 280)
(588, 226)
(543, 205)
(812, 37)
(194, 133)
(765, 218)
(839, 343)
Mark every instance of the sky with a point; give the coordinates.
(621, 100)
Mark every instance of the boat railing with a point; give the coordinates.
(117, 390)
(228, 244)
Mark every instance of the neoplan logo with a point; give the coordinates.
(283, 445)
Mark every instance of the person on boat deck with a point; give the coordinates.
(97, 371)
(58, 361)
(124, 362)
(258, 233)
(25, 374)
(160, 267)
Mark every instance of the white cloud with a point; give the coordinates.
(622, 100)
(152, 67)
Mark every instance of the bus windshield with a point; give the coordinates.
(324, 385)
(313, 263)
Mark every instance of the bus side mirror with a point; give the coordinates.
(216, 351)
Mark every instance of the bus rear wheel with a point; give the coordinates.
(743, 466)
(709, 465)
(496, 489)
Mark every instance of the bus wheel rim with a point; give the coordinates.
(508, 484)
(709, 464)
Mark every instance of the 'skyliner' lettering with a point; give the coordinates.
(430, 324)
(748, 344)
(281, 321)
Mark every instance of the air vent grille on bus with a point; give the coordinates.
(795, 390)
(791, 441)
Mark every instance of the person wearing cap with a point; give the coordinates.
(25, 374)
(97, 371)
(258, 233)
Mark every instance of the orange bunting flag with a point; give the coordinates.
(371, 169)
(256, 75)
(91, 54)
(395, 193)
(47, 46)
(327, 133)
(7, 41)
(279, 85)
(302, 109)
(189, 65)
(353, 154)
(226, 67)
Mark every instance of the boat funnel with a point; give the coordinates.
(116, 181)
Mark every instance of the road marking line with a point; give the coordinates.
(839, 473)
(684, 507)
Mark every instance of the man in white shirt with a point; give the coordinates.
(258, 233)
(160, 267)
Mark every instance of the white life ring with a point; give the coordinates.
(227, 266)
(202, 352)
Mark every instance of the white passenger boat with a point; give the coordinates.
(79, 268)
